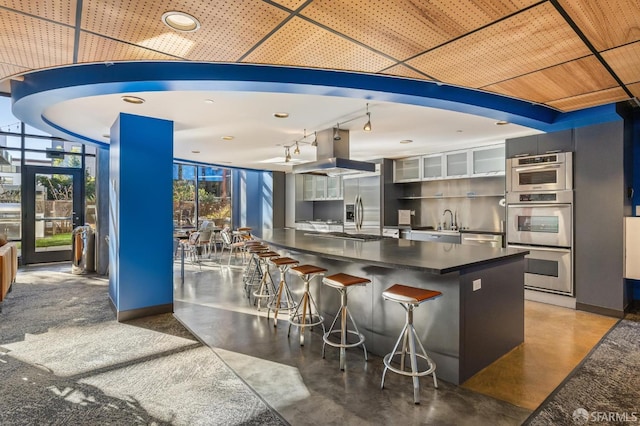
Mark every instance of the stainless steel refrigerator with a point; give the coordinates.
(362, 205)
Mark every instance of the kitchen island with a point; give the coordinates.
(479, 318)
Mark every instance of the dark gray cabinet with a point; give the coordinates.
(544, 143)
(521, 147)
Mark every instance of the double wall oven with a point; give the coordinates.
(540, 219)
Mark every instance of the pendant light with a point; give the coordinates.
(297, 150)
(367, 126)
(315, 139)
(336, 133)
(287, 156)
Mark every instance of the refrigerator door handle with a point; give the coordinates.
(361, 208)
(357, 213)
(357, 209)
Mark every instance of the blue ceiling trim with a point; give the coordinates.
(222, 166)
(44, 88)
(73, 135)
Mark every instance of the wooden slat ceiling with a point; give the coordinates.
(566, 54)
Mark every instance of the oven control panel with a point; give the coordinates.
(543, 197)
(538, 160)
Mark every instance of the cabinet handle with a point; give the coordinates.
(522, 155)
(553, 151)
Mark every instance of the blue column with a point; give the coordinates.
(141, 216)
(253, 199)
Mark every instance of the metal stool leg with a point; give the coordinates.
(343, 314)
(264, 291)
(283, 299)
(306, 314)
(409, 336)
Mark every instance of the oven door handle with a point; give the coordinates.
(534, 205)
(553, 249)
(482, 240)
(540, 167)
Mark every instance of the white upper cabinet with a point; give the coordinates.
(319, 188)
(456, 164)
(308, 189)
(334, 188)
(432, 166)
(407, 169)
(488, 161)
(476, 162)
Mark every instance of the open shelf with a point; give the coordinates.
(469, 195)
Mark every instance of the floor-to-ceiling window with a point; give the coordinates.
(201, 193)
(47, 166)
(214, 196)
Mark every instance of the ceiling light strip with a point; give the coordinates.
(590, 46)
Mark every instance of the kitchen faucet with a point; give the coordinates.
(444, 224)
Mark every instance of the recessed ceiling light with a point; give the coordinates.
(133, 99)
(502, 123)
(227, 138)
(281, 114)
(208, 101)
(180, 21)
(406, 141)
(195, 152)
(106, 136)
(458, 131)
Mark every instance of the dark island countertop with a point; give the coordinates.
(437, 258)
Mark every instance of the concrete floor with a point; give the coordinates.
(307, 389)
(302, 386)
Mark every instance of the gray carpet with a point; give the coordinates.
(604, 388)
(65, 360)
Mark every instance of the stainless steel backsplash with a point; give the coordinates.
(476, 200)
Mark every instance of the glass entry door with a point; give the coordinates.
(52, 205)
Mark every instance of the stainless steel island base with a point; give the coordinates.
(479, 317)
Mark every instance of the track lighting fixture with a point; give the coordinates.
(367, 126)
(287, 156)
(315, 139)
(297, 150)
(336, 133)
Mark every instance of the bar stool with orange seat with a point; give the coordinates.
(409, 298)
(342, 283)
(283, 300)
(310, 314)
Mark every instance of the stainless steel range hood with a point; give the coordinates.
(333, 157)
